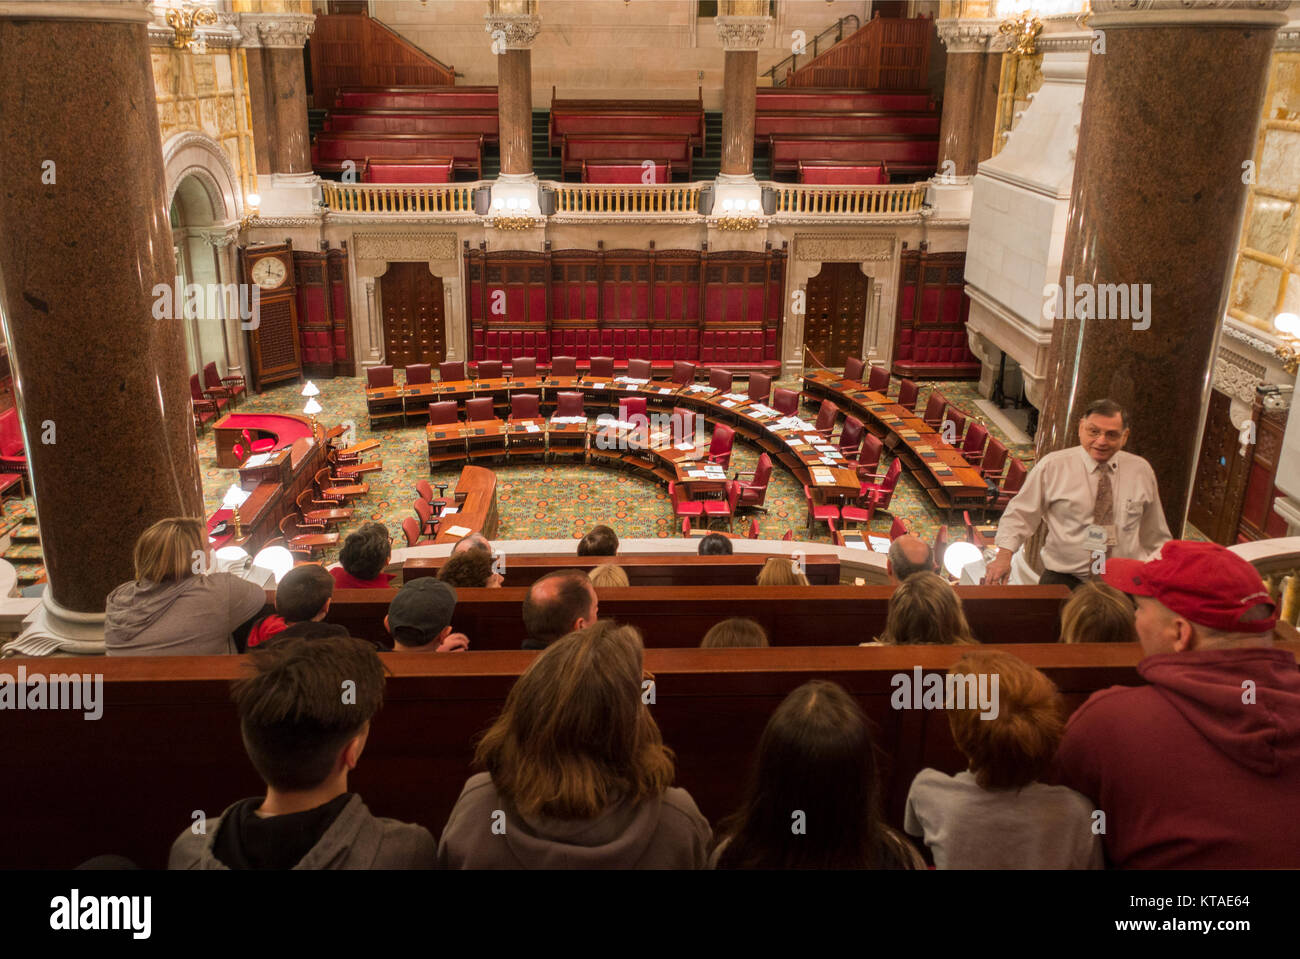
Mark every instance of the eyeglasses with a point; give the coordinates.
(1113, 435)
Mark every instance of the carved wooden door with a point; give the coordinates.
(414, 327)
(836, 313)
(1215, 507)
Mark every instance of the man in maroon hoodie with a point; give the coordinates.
(1201, 768)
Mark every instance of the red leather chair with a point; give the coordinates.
(1011, 483)
(522, 366)
(907, 393)
(564, 366)
(639, 369)
(684, 372)
(753, 529)
(753, 492)
(934, 407)
(377, 376)
(238, 452)
(786, 401)
(687, 508)
(718, 508)
(869, 457)
(789, 535)
(760, 387)
(442, 413)
(411, 527)
(898, 528)
(720, 380)
(218, 400)
(683, 425)
(686, 527)
(826, 417)
(995, 459)
(972, 450)
(957, 418)
(257, 446)
(424, 512)
(878, 379)
(602, 368)
(851, 436)
(827, 514)
(940, 547)
(880, 494)
(524, 406)
(631, 406)
(488, 369)
(479, 408)
(451, 371)
(233, 386)
(720, 445)
(569, 404)
(853, 368)
(13, 454)
(418, 373)
(856, 514)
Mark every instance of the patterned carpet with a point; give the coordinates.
(565, 499)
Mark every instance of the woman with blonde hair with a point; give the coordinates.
(1097, 612)
(173, 606)
(608, 574)
(577, 775)
(781, 571)
(925, 610)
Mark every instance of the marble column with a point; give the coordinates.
(515, 107)
(1156, 205)
(278, 90)
(101, 384)
(741, 37)
(970, 95)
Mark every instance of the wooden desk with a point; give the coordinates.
(272, 496)
(476, 503)
(284, 428)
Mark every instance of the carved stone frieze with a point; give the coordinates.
(967, 36)
(1237, 376)
(742, 33)
(512, 32)
(842, 247)
(286, 30)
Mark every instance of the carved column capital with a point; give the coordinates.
(742, 33)
(220, 237)
(512, 31)
(967, 36)
(277, 30)
(1164, 13)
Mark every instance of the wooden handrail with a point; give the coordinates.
(837, 199)
(646, 198)
(778, 72)
(398, 197)
(886, 54)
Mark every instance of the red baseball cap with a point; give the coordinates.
(1202, 582)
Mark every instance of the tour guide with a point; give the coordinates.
(1099, 502)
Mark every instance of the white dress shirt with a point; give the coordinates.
(1062, 489)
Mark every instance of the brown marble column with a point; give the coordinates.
(277, 85)
(1157, 202)
(515, 110)
(740, 80)
(970, 94)
(100, 384)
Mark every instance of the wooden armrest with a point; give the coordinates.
(216, 391)
(204, 405)
(739, 473)
(236, 380)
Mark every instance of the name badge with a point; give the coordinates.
(1099, 537)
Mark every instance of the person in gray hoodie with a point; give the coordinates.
(172, 607)
(304, 737)
(577, 774)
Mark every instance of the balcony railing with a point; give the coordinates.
(1278, 562)
(650, 198)
(398, 198)
(802, 200)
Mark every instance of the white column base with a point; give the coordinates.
(950, 197)
(58, 631)
(288, 194)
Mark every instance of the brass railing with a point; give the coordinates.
(398, 197)
(848, 200)
(647, 198)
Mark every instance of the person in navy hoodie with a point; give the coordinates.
(1200, 769)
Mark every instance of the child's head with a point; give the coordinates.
(1017, 746)
(1097, 612)
(304, 593)
(306, 708)
(734, 632)
(366, 552)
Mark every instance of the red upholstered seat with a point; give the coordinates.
(451, 371)
(851, 436)
(826, 417)
(753, 492)
(602, 367)
(564, 366)
(720, 445)
(957, 418)
(404, 169)
(853, 368)
(379, 376)
(524, 406)
(878, 379)
(972, 450)
(934, 407)
(488, 369)
(1011, 483)
(631, 406)
(411, 527)
(523, 366)
(639, 369)
(441, 413)
(995, 459)
(683, 425)
(683, 372)
(907, 393)
(219, 400)
(789, 535)
(257, 446)
(718, 508)
(238, 452)
(479, 409)
(820, 514)
(786, 401)
(720, 380)
(682, 506)
(898, 528)
(753, 529)
(869, 457)
(880, 494)
(417, 373)
(940, 546)
(13, 455)
(760, 387)
(233, 386)
(569, 404)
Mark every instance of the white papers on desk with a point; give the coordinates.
(826, 448)
(261, 459)
(830, 461)
(665, 391)
(856, 544)
(449, 510)
(758, 409)
(879, 543)
(797, 444)
(631, 386)
(728, 404)
(684, 446)
(737, 397)
(706, 474)
(457, 530)
(700, 389)
(597, 386)
(792, 423)
(812, 438)
(628, 379)
(568, 419)
(820, 475)
(532, 428)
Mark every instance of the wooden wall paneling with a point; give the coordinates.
(1220, 486)
(340, 311)
(315, 328)
(1258, 519)
(273, 347)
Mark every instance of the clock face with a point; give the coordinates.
(268, 272)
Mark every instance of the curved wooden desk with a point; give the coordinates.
(285, 428)
(476, 506)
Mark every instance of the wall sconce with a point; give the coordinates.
(184, 21)
(251, 202)
(1288, 327)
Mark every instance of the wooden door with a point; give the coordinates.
(414, 327)
(836, 313)
(1215, 508)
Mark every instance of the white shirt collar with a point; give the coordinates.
(1093, 466)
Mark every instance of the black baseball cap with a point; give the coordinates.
(423, 606)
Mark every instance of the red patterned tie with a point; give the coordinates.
(1103, 513)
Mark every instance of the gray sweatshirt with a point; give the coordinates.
(357, 839)
(667, 832)
(193, 617)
